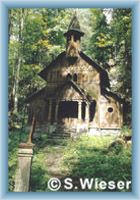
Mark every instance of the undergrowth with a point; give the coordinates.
(87, 156)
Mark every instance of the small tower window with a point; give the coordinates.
(75, 77)
(76, 37)
(69, 77)
(110, 109)
(68, 38)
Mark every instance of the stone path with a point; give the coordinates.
(54, 160)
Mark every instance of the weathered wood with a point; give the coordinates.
(31, 130)
(79, 80)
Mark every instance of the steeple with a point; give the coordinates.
(73, 36)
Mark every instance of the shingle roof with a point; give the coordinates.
(56, 93)
(74, 26)
(75, 86)
(103, 74)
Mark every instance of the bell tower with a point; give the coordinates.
(73, 37)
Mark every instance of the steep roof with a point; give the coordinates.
(76, 88)
(74, 26)
(103, 74)
(35, 94)
(108, 93)
(56, 93)
(42, 74)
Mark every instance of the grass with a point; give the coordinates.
(90, 157)
(87, 156)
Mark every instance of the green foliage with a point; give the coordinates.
(89, 157)
(110, 46)
(121, 30)
(126, 131)
(35, 38)
(39, 174)
(99, 42)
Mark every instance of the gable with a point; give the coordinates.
(56, 62)
(71, 91)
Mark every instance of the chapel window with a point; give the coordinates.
(69, 76)
(75, 77)
(110, 109)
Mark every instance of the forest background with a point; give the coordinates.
(36, 38)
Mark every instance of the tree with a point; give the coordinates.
(17, 57)
(99, 44)
(121, 36)
(110, 46)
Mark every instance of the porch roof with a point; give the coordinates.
(67, 85)
(57, 94)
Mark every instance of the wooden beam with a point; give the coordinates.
(32, 130)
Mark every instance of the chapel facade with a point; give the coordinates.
(77, 97)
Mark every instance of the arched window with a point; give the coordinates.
(76, 37)
(83, 77)
(75, 77)
(69, 76)
(68, 38)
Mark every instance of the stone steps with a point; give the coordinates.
(59, 132)
(58, 135)
(62, 132)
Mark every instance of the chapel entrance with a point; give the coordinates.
(68, 109)
(76, 111)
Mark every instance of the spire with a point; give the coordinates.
(73, 36)
(74, 26)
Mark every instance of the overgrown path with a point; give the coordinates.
(84, 157)
(54, 158)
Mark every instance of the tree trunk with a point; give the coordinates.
(9, 25)
(19, 61)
